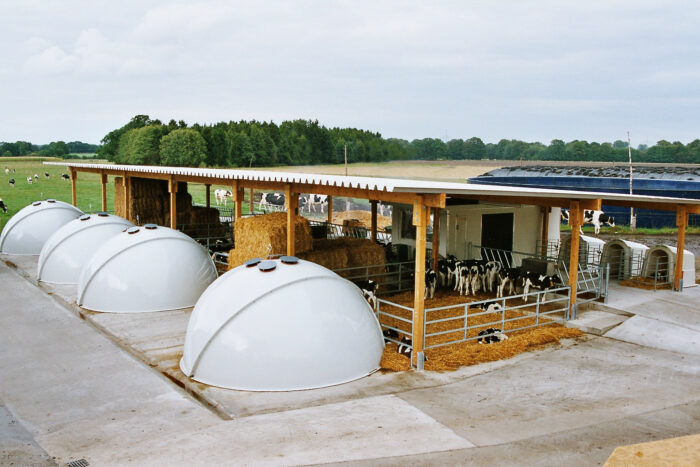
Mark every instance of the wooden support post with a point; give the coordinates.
(575, 220)
(373, 222)
(127, 197)
(330, 209)
(682, 223)
(436, 238)
(172, 188)
(238, 195)
(208, 189)
(74, 195)
(252, 201)
(545, 229)
(291, 200)
(420, 220)
(103, 180)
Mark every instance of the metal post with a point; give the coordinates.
(607, 282)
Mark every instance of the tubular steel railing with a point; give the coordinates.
(397, 277)
(334, 231)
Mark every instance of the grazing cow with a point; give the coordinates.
(65, 176)
(12, 182)
(272, 199)
(507, 277)
(7, 171)
(491, 335)
(36, 176)
(221, 195)
(369, 291)
(47, 175)
(30, 180)
(597, 218)
(406, 348)
(390, 334)
(2, 205)
(384, 209)
(313, 200)
(430, 283)
(539, 281)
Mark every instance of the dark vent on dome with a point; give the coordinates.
(289, 259)
(252, 262)
(267, 266)
(132, 230)
(84, 217)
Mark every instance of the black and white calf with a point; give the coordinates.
(36, 176)
(447, 270)
(30, 180)
(406, 348)
(47, 175)
(491, 280)
(12, 182)
(430, 283)
(221, 195)
(491, 335)
(390, 334)
(369, 291)
(312, 200)
(532, 280)
(597, 218)
(508, 277)
(65, 176)
(490, 307)
(272, 199)
(2, 206)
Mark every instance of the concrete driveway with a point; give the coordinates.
(68, 392)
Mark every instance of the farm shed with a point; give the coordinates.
(281, 325)
(648, 179)
(625, 258)
(143, 269)
(661, 260)
(425, 198)
(66, 251)
(27, 231)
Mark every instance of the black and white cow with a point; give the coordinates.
(406, 348)
(221, 195)
(12, 182)
(597, 218)
(47, 175)
(2, 205)
(369, 291)
(447, 270)
(390, 334)
(492, 268)
(65, 176)
(491, 335)
(469, 276)
(272, 199)
(430, 283)
(490, 307)
(312, 200)
(30, 180)
(508, 277)
(7, 171)
(36, 176)
(539, 281)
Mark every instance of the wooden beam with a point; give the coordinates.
(575, 220)
(127, 197)
(330, 209)
(252, 201)
(681, 223)
(103, 181)
(373, 221)
(73, 194)
(207, 186)
(420, 220)
(172, 188)
(436, 238)
(238, 195)
(545, 229)
(291, 200)
(689, 208)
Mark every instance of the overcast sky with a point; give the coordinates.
(75, 70)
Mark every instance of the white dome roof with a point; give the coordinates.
(26, 232)
(298, 326)
(149, 268)
(66, 251)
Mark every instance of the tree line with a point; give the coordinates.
(252, 143)
(53, 149)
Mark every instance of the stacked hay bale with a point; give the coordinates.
(364, 218)
(260, 236)
(348, 253)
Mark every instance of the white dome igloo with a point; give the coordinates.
(149, 268)
(297, 326)
(66, 251)
(27, 231)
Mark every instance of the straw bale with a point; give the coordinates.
(259, 236)
(451, 357)
(333, 258)
(348, 253)
(364, 217)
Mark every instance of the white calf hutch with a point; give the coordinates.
(143, 269)
(626, 258)
(660, 264)
(281, 325)
(467, 219)
(27, 231)
(65, 253)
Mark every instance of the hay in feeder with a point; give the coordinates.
(364, 218)
(451, 357)
(260, 236)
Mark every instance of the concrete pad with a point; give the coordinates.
(596, 322)
(657, 334)
(17, 445)
(590, 383)
(676, 451)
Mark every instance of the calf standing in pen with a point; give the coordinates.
(369, 291)
(430, 283)
(508, 277)
(539, 281)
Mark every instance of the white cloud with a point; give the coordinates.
(51, 60)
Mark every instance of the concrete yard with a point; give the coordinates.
(104, 388)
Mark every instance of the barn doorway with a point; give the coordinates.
(497, 232)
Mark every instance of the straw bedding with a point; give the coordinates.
(260, 236)
(451, 357)
(646, 283)
(364, 217)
